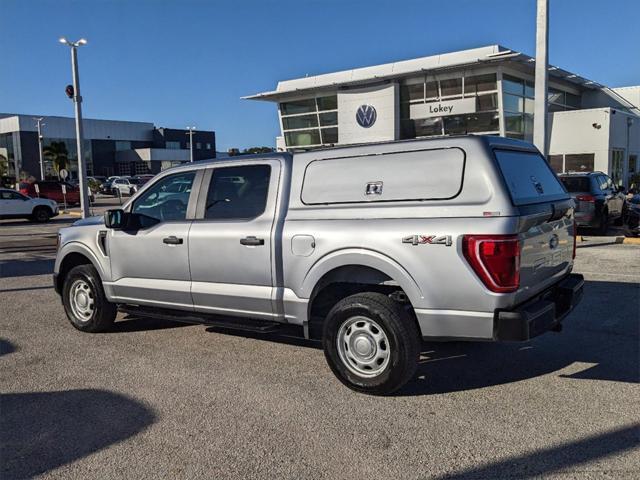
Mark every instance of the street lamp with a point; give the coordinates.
(191, 131)
(77, 100)
(39, 125)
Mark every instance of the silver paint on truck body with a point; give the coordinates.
(313, 225)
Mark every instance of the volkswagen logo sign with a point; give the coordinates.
(366, 116)
(554, 242)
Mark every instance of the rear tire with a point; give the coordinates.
(84, 300)
(371, 344)
(41, 214)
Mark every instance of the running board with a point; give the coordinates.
(244, 324)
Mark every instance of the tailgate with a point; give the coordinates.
(546, 253)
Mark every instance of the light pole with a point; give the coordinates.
(77, 100)
(190, 133)
(39, 124)
(540, 107)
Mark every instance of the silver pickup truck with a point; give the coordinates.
(370, 249)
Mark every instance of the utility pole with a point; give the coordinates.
(190, 133)
(39, 124)
(541, 102)
(77, 100)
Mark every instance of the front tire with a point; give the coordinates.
(371, 344)
(84, 300)
(41, 214)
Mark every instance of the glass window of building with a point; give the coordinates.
(480, 83)
(419, 90)
(518, 106)
(556, 162)
(123, 145)
(580, 162)
(451, 87)
(208, 146)
(7, 158)
(310, 122)
(199, 145)
(298, 106)
(172, 145)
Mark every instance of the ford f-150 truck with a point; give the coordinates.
(369, 248)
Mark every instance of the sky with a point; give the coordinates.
(179, 63)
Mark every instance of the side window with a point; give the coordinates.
(8, 195)
(609, 182)
(602, 182)
(167, 199)
(238, 192)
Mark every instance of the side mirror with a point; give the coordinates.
(117, 219)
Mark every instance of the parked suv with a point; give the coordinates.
(125, 185)
(598, 200)
(369, 249)
(16, 205)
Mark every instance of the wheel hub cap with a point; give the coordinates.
(81, 298)
(363, 346)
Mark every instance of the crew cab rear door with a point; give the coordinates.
(545, 224)
(231, 241)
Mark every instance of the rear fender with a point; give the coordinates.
(361, 257)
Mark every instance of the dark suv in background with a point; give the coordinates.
(598, 201)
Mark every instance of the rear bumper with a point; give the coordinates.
(540, 314)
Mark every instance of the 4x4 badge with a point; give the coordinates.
(428, 240)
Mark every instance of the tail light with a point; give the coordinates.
(495, 259)
(586, 198)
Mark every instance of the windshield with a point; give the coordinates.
(576, 184)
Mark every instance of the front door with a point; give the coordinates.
(150, 264)
(230, 242)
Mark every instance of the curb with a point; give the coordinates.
(618, 240)
(73, 214)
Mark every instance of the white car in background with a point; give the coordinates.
(16, 205)
(126, 185)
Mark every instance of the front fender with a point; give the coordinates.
(101, 264)
(366, 258)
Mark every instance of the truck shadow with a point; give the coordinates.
(600, 343)
(557, 458)
(41, 431)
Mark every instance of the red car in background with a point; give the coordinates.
(53, 191)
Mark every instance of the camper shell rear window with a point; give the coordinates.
(529, 177)
(414, 175)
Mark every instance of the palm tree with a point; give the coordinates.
(58, 154)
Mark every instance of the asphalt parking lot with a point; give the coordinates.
(163, 400)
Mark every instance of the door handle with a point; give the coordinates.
(252, 241)
(172, 240)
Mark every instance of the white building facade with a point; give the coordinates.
(487, 90)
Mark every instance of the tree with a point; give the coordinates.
(58, 154)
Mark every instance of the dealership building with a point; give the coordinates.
(487, 90)
(111, 147)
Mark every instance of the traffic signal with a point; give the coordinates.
(69, 91)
